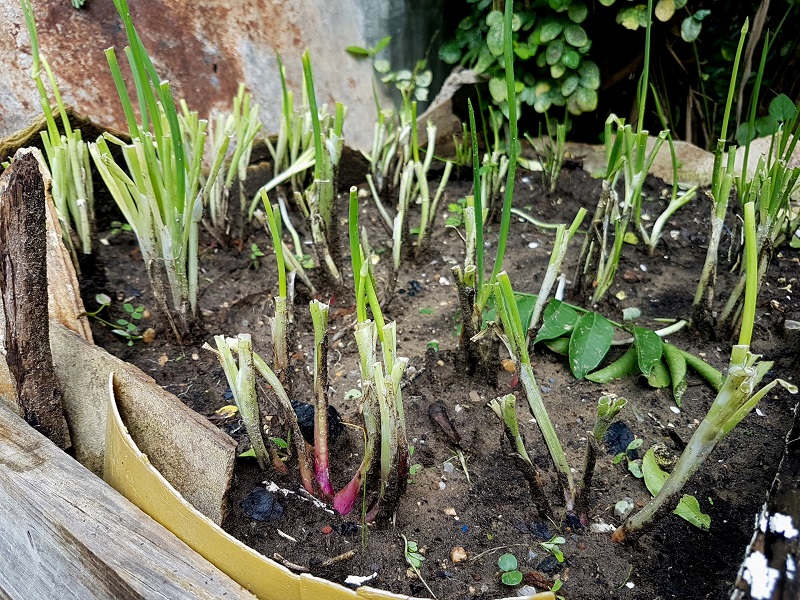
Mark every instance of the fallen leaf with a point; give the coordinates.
(227, 411)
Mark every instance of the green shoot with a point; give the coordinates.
(319, 315)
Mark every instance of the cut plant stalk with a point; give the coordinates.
(242, 126)
(321, 195)
(162, 197)
(242, 382)
(319, 315)
(515, 341)
(736, 399)
(721, 183)
(280, 320)
(505, 409)
(607, 409)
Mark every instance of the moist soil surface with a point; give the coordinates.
(492, 512)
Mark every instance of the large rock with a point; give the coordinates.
(205, 49)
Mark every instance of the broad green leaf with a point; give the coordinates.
(701, 14)
(382, 65)
(578, 12)
(357, 50)
(665, 9)
(516, 22)
(690, 29)
(558, 345)
(425, 78)
(632, 18)
(607, 2)
(557, 70)
(677, 371)
(591, 338)
(485, 60)
(782, 108)
(689, 509)
(494, 39)
(498, 90)
(382, 44)
(575, 35)
(559, 319)
(659, 377)
(550, 31)
(511, 577)
(648, 349)
(654, 476)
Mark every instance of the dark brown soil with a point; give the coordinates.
(493, 514)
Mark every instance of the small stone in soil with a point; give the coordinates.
(261, 505)
(327, 530)
(458, 554)
(305, 418)
(623, 508)
(617, 438)
(545, 390)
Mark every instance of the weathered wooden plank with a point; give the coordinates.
(23, 285)
(68, 535)
(770, 567)
(192, 454)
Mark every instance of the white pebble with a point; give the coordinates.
(442, 485)
(533, 244)
(675, 409)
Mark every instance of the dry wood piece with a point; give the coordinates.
(68, 535)
(23, 285)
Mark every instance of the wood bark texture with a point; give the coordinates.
(23, 285)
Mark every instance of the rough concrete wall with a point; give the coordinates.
(204, 48)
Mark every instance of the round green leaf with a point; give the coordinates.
(590, 75)
(659, 377)
(550, 30)
(498, 90)
(586, 47)
(575, 35)
(571, 58)
(383, 66)
(541, 60)
(590, 341)
(554, 51)
(578, 12)
(689, 509)
(511, 578)
(102, 299)
(745, 134)
(557, 70)
(664, 10)
(570, 84)
(607, 2)
(782, 108)
(494, 19)
(701, 14)
(765, 126)
(690, 29)
(558, 5)
(421, 94)
(586, 99)
(632, 18)
(425, 78)
(516, 22)
(450, 52)
(507, 562)
(494, 39)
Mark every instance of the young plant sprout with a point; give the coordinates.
(551, 150)
(321, 196)
(319, 315)
(737, 397)
(721, 184)
(242, 381)
(382, 401)
(515, 341)
(280, 320)
(607, 409)
(161, 199)
(242, 125)
(67, 157)
(305, 461)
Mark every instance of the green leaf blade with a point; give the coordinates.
(558, 320)
(590, 341)
(648, 349)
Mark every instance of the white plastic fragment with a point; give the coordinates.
(675, 409)
(357, 580)
(601, 527)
